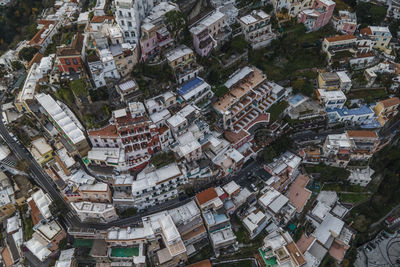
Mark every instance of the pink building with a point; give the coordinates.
(210, 32)
(318, 16)
(345, 22)
(154, 39)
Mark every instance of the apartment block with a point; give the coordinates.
(216, 221)
(256, 28)
(41, 151)
(155, 186)
(65, 122)
(345, 22)
(340, 45)
(195, 91)
(44, 37)
(96, 212)
(189, 222)
(280, 250)
(238, 109)
(283, 170)
(277, 205)
(183, 63)
(386, 109)
(210, 32)
(331, 99)
(69, 59)
(255, 222)
(133, 132)
(381, 36)
(318, 16)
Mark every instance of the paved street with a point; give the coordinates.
(382, 251)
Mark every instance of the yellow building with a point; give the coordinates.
(381, 36)
(41, 151)
(328, 81)
(386, 109)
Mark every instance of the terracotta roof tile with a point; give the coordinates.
(6, 255)
(340, 38)
(108, 131)
(35, 212)
(99, 19)
(390, 102)
(362, 133)
(366, 31)
(206, 195)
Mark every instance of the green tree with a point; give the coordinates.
(220, 90)
(23, 165)
(27, 53)
(176, 23)
(268, 154)
(16, 65)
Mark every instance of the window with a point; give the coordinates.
(129, 24)
(126, 34)
(122, 23)
(67, 61)
(75, 61)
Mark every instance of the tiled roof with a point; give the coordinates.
(109, 130)
(362, 133)
(390, 102)
(206, 195)
(74, 49)
(366, 31)
(99, 19)
(6, 255)
(340, 38)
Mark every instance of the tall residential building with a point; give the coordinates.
(318, 16)
(155, 186)
(129, 14)
(209, 33)
(132, 131)
(65, 122)
(381, 35)
(387, 109)
(183, 62)
(345, 22)
(256, 28)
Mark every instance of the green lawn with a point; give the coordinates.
(295, 50)
(205, 253)
(368, 95)
(28, 228)
(276, 110)
(353, 198)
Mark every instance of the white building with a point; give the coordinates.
(65, 121)
(344, 81)
(99, 8)
(66, 258)
(255, 222)
(37, 249)
(256, 28)
(154, 186)
(97, 212)
(332, 98)
(129, 14)
(42, 201)
(195, 91)
(361, 176)
(334, 142)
